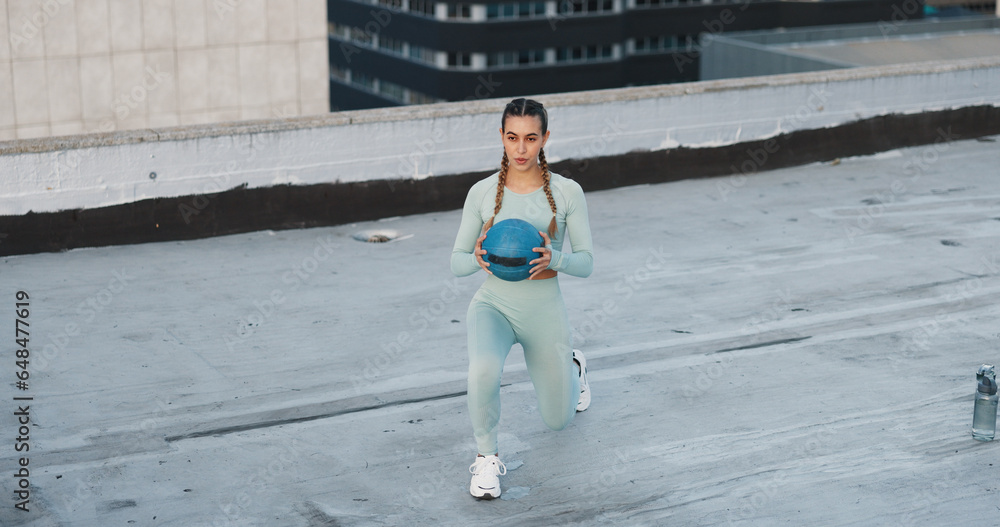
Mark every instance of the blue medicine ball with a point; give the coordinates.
(508, 247)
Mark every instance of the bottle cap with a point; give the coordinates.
(987, 386)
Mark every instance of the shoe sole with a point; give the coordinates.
(487, 495)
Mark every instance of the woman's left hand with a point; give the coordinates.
(544, 258)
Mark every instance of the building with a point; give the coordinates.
(393, 52)
(104, 65)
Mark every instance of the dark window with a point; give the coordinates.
(456, 59)
(422, 7)
(459, 11)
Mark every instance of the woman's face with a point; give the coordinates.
(522, 139)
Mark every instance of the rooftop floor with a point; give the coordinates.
(796, 348)
(877, 52)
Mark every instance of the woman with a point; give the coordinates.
(530, 312)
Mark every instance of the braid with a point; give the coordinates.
(501, 182)
(546, 177)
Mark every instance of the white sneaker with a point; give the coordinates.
(485, 483)
(584, 384)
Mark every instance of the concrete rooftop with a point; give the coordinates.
(916, 48)
(794, 348)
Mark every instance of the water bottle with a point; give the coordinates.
(984, 417)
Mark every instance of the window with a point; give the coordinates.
(461, 11)
(354, 35)
(531, 56)
(515, 10)
(500, 59)
(585, 7)
(398, 47)
(511, 59)
(394, 5)
(592, 53)
(339, 31)
(390, 45)
(421, 98)
(422, 7)
(387, 89)
(362, 37)
(343, 75)
(655, 44)
(392, 90)
(654, 3)
(459, 59)
(688, 42)
(363, 80)
(422, 54)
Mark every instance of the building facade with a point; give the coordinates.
(394, 52)
(75, 66)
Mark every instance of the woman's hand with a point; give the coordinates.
(479, 252)
(544, 258)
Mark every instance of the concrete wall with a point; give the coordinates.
(74, 66)
(200, 181)
(99, 170)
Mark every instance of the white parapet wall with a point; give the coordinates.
(417, 142)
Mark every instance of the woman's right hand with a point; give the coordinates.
(479, 252)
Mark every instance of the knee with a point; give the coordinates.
(484, 373)
(557, 421)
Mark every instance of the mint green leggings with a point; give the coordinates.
(532, 313)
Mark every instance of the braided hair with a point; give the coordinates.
(526, 108)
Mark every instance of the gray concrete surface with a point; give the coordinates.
(793, 348)
(954, 46)
(901, 42)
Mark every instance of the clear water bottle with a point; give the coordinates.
(984, 417)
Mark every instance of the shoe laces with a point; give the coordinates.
(483, 463)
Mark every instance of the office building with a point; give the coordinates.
(394, 52)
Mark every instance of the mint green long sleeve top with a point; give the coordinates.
(571, 218)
